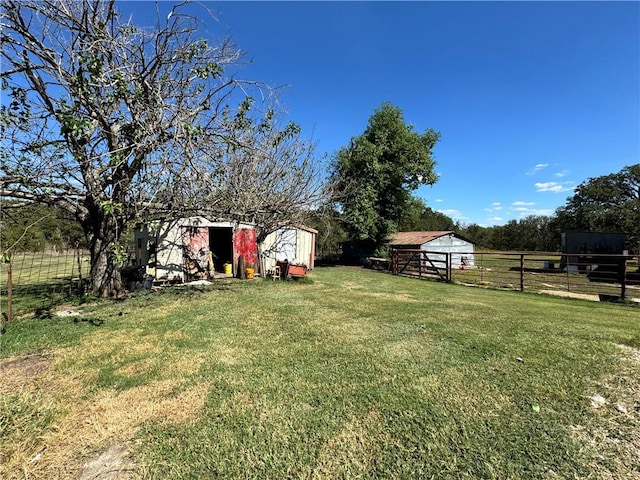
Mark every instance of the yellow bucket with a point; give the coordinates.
(227, 268)
(249, 272)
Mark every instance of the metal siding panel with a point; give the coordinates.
(457, 251)
(266, 251)
(304, 247)
(169, 252)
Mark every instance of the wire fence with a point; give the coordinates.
(30, 281)
(33, 280)
(588, 276)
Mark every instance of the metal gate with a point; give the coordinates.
(421, 263)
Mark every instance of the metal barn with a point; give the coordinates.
(195, 248)
(462, 250)
(295, 244)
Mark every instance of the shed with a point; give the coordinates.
(193, 248)
(585, 243)
(593, 242)
(462, 250)
(294, 243)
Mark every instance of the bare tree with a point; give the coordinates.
(268, 174)
(114, 123)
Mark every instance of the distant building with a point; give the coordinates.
(585, 243)
(593, 242)
(462, 251)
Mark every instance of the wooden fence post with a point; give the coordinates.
(79, 260)
(9, 290)
(623, 280)
(522, 272)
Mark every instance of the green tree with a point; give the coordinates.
(378, 171)
(417, 217)
(34, 227)
(609, 203)
(481, 236)
(331, 232)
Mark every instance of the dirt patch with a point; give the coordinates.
(113, 464)
(560, 293)
(19, 372)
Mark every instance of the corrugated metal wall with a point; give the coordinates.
(457, 247)
(293, 244)
(305, 248)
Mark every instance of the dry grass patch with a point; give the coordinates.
(85, 425)
(83, 420)
(177, 335)
(128, 341)
(19, 372)
(398, 297)
(182, 366)
(613, 438)
(353, 450)
(230, 355)
(408, 348)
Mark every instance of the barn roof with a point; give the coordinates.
(419, 238)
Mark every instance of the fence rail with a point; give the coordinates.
(590, 276)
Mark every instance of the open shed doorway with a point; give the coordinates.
(221, 246)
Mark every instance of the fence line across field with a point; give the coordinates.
(593, 276)
(27, 278)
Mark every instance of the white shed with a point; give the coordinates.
(191, 248)
(462, 250)
(295, 243)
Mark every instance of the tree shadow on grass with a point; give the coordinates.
(96, 322)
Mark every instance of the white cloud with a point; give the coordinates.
(453, 213)
(496, 219)
(495, 206)
(438, 200)
(525, 212)
(522, 204)
(554, 187)
(537, 168)
(562, 173)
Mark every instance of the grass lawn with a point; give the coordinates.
(351, 374)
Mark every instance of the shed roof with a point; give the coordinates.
(418, 238)
(306, 229)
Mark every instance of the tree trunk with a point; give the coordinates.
(104, 272)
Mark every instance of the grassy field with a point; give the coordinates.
(43, 279)
(351, 374)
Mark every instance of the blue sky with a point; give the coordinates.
(531, 98)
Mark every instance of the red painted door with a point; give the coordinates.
(245, 244)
